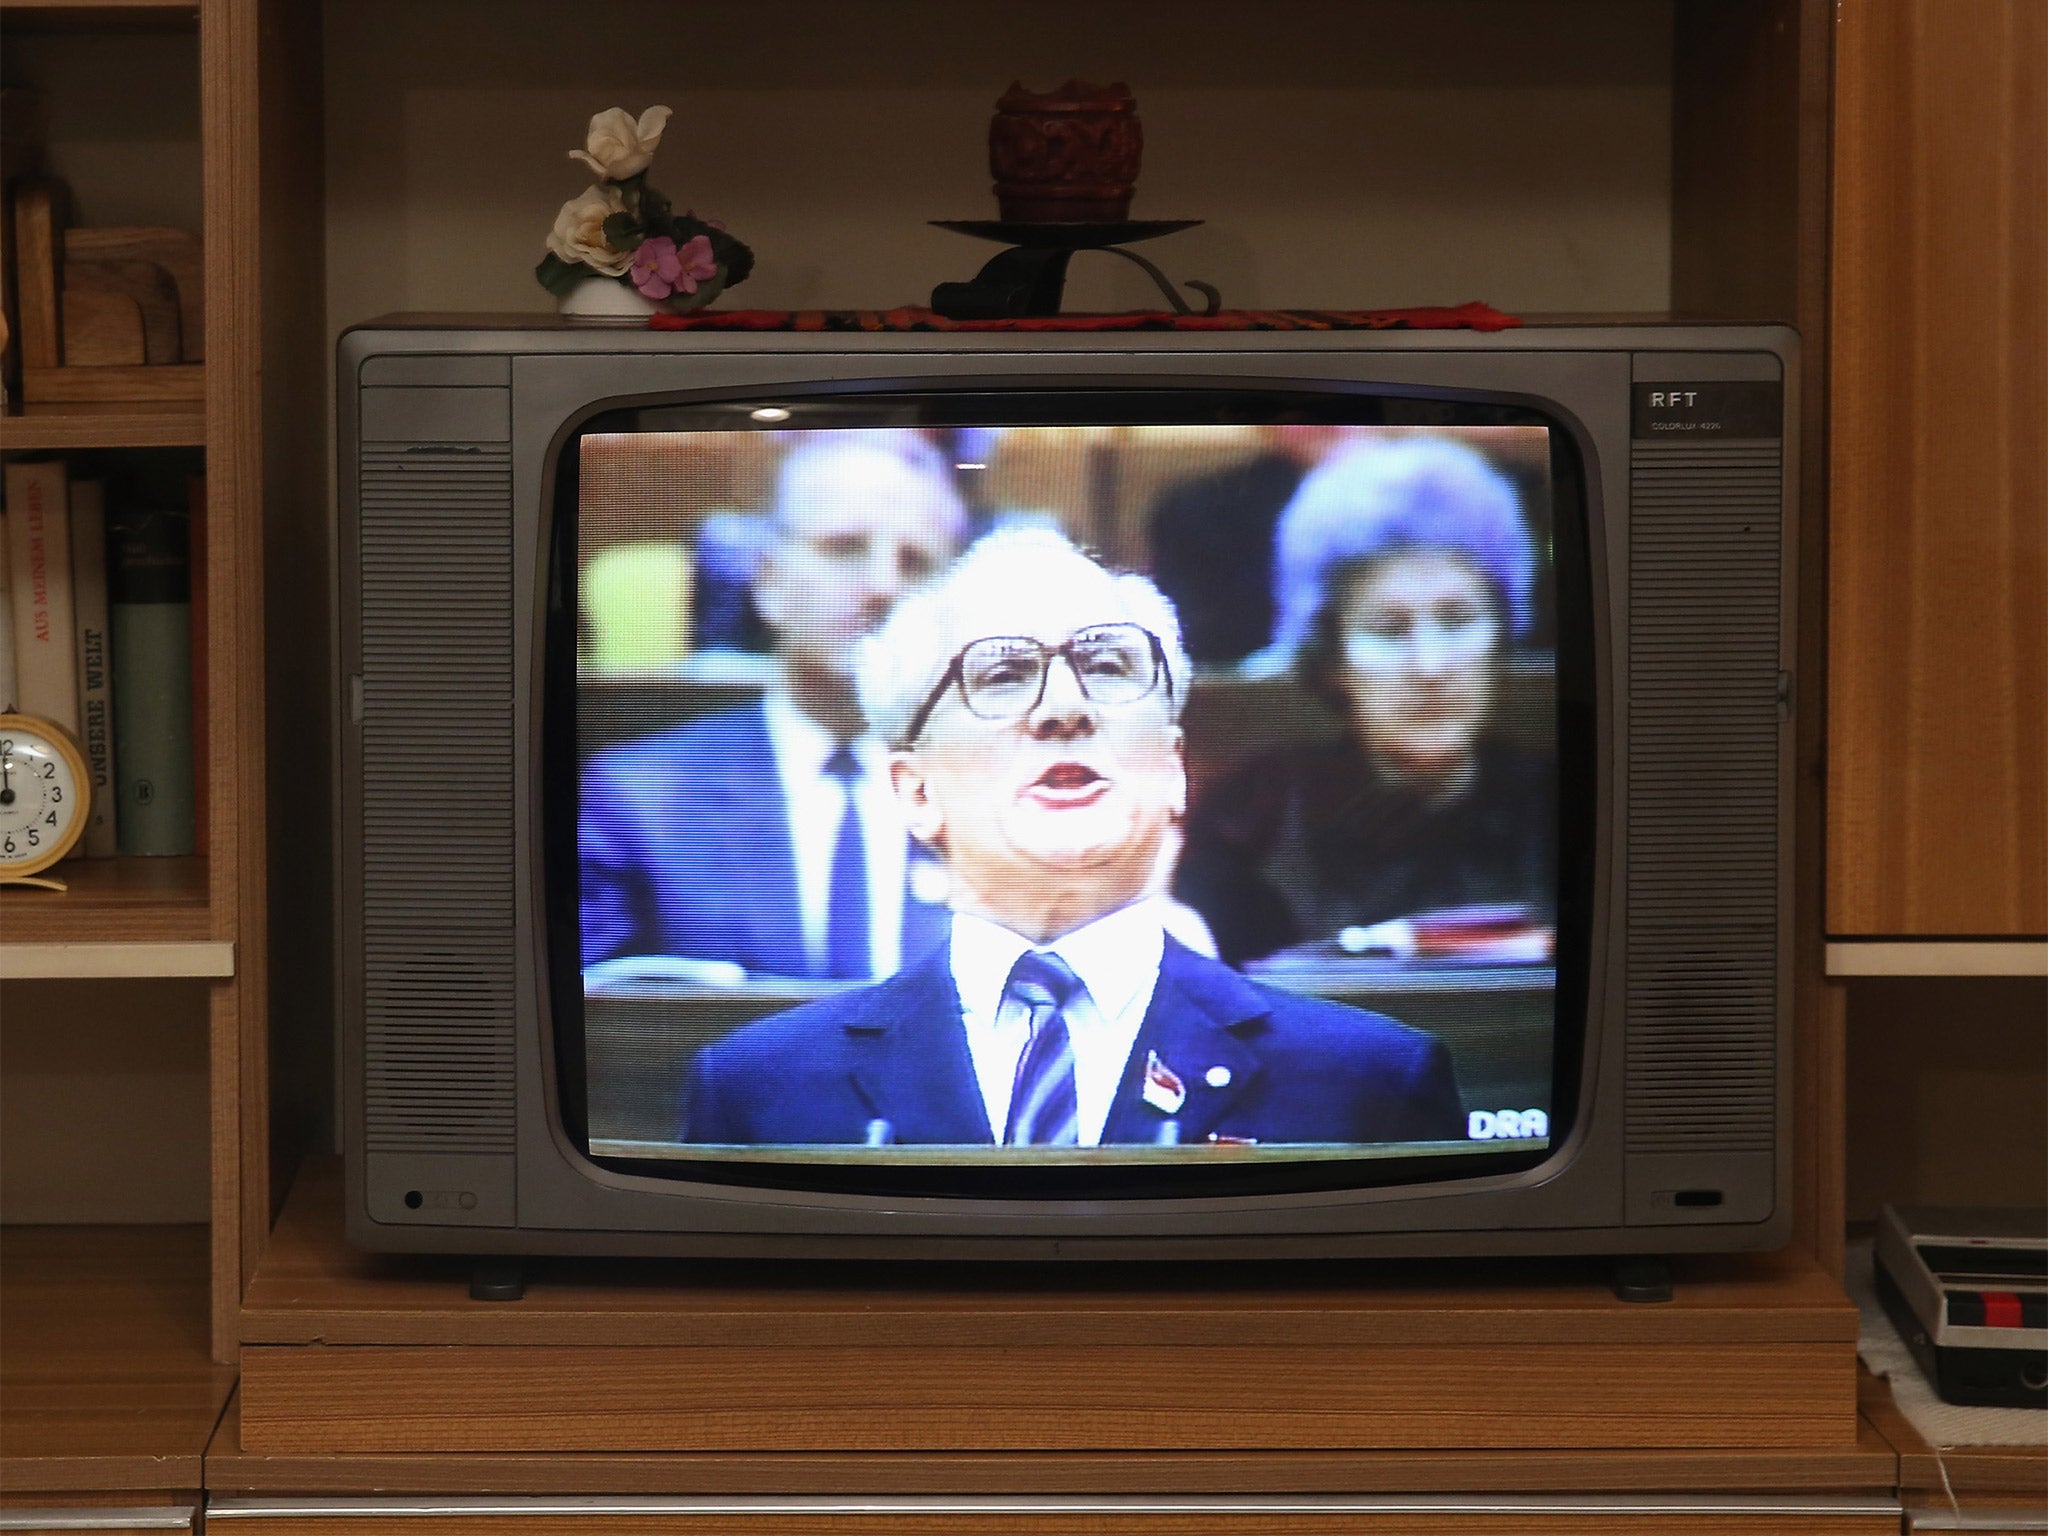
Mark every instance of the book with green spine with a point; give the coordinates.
(149, 591)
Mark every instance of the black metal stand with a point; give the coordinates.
(1029, 279)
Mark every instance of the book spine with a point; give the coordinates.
(149, 608)
(95, 675)
(202, 693)
(39, 557)
(10, 679)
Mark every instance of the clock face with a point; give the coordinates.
(42, 802)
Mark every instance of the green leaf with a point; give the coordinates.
(621, 233)
(654, 208)
(559, 276)
(707, 292)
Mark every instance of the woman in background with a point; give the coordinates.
(1403, 570)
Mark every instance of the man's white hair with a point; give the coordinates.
(896, 667)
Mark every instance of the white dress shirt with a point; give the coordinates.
(815, 801)
(1116, 957)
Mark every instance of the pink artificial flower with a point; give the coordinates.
(657, 268)
(696, 263)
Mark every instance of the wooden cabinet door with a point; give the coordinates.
(1938, 596)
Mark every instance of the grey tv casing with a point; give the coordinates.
(448, 438)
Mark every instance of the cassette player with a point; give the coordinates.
(1967, 1288)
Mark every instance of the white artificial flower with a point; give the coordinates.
(617, 146)
(578, 234)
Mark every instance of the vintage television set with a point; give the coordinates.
(547, 551)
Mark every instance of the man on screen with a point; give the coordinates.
(1032, 698)
(768, 835)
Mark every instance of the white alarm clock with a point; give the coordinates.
(45, 795)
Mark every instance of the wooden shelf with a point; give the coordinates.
(113, 902)
(68, 428)
(1870, 1466)
(1938, 957)
(1988, 1470)
(58, 15)
(106, 1383)
(346, 1352)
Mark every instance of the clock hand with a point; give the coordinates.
(6, 784)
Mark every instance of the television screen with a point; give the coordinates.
(1067, 791)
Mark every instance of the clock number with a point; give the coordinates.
(49, 818)
(34, 840)
(6, 747)
(8, 846)
(56, 795)
(49, 770)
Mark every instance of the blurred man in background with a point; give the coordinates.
(766, 835)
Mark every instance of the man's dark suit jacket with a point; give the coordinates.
(683, 842)
(1257, 1064)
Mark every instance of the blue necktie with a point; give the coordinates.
(848, 948)
(1043, 1109)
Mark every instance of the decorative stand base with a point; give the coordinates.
(1027, 280)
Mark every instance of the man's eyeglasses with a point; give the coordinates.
(1003, 677)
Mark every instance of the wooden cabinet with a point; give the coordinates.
(1546, 155)
(1938, 667)
(115, 1334)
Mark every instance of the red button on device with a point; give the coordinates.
(2001, 1309)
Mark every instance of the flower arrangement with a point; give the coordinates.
(621, 228)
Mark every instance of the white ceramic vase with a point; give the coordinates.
(607, 301)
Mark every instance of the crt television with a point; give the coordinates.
(1476, 653)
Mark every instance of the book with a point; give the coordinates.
(39, 574)
(7, 672)
(149, 611)
(202, 692)
(95, 674)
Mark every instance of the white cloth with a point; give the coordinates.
(1116, 957)
(815, 801)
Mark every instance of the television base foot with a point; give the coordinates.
(497, 1280)
(1641, 1279)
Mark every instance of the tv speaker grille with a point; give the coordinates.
(1703, 796)
(436, 797)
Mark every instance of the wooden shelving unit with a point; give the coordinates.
(109, 1383)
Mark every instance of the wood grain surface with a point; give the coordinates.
(348, 1352)
(106, 1380)
(1870, 1466)
(1577, 1522)
(1990, 1473)
(168, 384)
(112, 901)
(1938, 670)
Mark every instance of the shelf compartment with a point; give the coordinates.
(72, 427)
(107, 1383)
(110, 902)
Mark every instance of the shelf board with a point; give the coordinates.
(1993, 1470)
(61, 15)
(111, 902)
(107, 1381)
(125, 426)
(1937, 957)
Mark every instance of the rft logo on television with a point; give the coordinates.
(1506, 1124)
